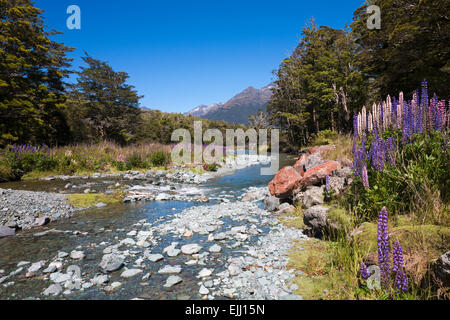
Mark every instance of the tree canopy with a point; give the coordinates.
(32, 69)
(105, 103)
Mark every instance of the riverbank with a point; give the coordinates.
(219, 251)
(71, 194)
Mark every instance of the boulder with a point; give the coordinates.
(39, 222)
(311, 197)
(321, 150)
(271, 203)
(300, 165)
(317, 174)
(313, 161)
(111, 262)
(320, 224)
(286, 208)
(284, 183)
(316, 217)
(442, 270)
(6, 232)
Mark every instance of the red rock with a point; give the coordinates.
(284, 182)
(300, 164)
(321, 149)
(317, 174)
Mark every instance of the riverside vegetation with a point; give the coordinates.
(398, 200)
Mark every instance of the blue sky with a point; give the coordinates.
(180, 54)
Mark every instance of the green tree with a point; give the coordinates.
(319, 86)
(106, 106)
(32, 69)
(412, 45)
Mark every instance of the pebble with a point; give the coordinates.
(215, 249)
(155, 257)
(172, 280)
(53, 290)
(170, 270)
(131, 273)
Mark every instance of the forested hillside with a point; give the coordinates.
(333, 73)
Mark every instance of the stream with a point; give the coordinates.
(94, 230)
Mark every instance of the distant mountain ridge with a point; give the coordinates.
(239, 108)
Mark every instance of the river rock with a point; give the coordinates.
(203, 290)
(62, 254)
(271, 203)
(311, 197)
(39, 222)
(100, 279)
(286, 208)
(173, 252)
(35, 267)
(317, 174)
(59, 277)
(190, 249)
(155, 257)
(77, 255)
(172, 280)
(131, 273)
(205, 273)
(215, 249)
(442, 270)
(170, 270)
(234, 270)
(284, 183)
(112, 262)
(53, 290)
(317, 219)
(6, 232)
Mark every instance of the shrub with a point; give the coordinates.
(211, 167)
(159, 159)
(324, 137)
(135, 161)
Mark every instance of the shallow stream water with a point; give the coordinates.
(109, 225)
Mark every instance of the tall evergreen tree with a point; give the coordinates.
(412, 45)
(318, 87)
(32, 69)
(102, 99)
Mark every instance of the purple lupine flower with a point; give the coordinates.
(441, 116)
(397, 254)
(383, 246)
(365, 274)
(401, 281)
(391, 151)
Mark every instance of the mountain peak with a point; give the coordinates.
(239, 108)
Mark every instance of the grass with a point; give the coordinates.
(90, 200)
(293, 220)
(343, 143)
(330, 267)
(321, 278)
(81, 159)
